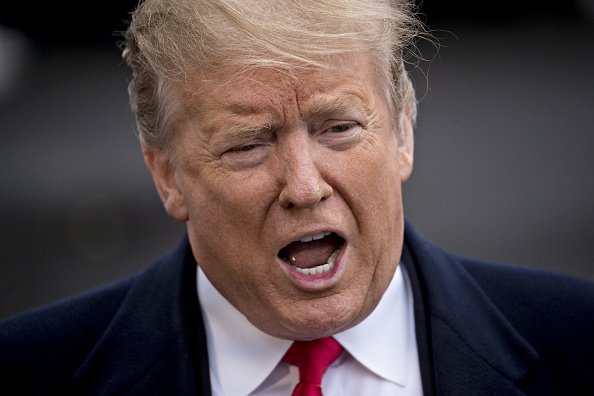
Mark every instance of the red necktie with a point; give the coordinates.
(313, 359)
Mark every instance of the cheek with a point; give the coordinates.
(226, 201)
(371, 181)
(226, 222)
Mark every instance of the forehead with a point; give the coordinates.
(266, 91)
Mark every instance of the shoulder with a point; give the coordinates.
(508, 314)
(535, 300)
(553, 312)
(539, 284)
(109, 338)
(530, 299)
(46, 344)
(510, 287)
(75, 313)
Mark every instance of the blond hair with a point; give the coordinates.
(171, 41)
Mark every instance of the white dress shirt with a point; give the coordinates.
(380, 355)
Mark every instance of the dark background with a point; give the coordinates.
(504, 144)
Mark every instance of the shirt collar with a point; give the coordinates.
(391, 327)
(237, 346)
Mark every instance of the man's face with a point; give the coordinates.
(291, 189)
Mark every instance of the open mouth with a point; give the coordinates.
(313, 254)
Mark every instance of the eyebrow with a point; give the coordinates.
(325, 106)
(239, 132)
(320, 105)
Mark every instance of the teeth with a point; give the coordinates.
(320, 269)
(309, 238)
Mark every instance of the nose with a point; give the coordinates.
(303, 186)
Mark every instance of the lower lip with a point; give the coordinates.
(317, 282)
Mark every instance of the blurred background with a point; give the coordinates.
(504, 154)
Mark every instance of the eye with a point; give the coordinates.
(245, 155)
(343, 127)
(341, 135)
(241, 149)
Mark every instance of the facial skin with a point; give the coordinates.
(265, 159)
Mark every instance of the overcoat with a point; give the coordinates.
(482, 329)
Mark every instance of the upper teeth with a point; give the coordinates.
(309, 238)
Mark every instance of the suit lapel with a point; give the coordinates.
(156, 343)
(473, 348)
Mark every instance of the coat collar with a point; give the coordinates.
(474, 349)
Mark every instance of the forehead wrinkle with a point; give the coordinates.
(254, 99)
(250, 109)
(258, 92)
(239, 96)
(234, 120)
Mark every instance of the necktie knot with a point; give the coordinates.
(312, 358)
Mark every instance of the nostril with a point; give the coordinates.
(327, 193)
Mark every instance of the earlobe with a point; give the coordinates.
(406, 143)
(164, 177)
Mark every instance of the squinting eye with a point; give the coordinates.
(240, 149)
(340, 135)
(245, 156)
(342, 127)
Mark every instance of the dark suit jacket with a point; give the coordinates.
(482, 329)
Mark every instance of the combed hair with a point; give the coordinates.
(174, 41)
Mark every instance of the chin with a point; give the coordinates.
(318, 319)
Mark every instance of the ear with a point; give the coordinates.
(165, 178)
(406, 142)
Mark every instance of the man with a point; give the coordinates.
(280, 133)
